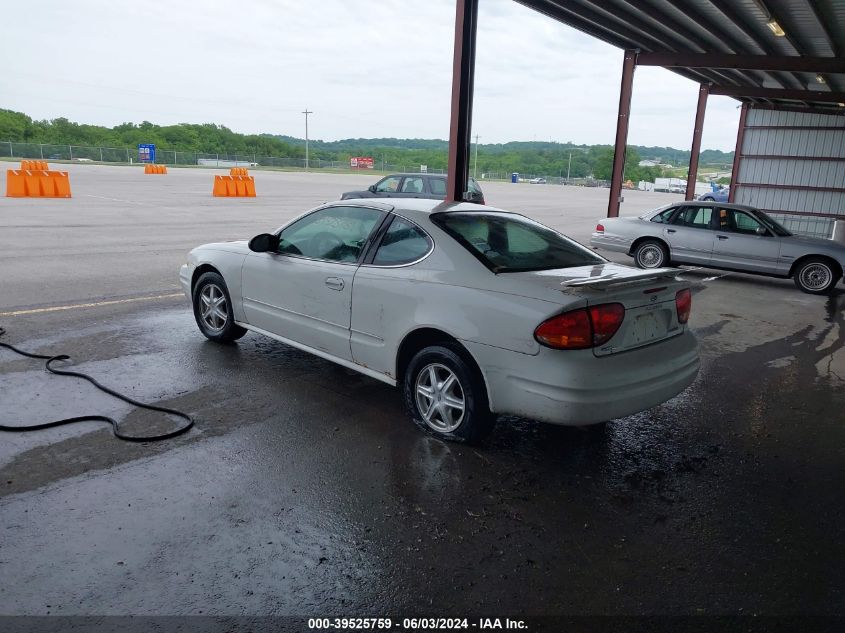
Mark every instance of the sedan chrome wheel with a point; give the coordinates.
(816, 276)
(440, 398)
(650, 256)
(214, 311)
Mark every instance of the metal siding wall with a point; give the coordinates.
(794, 173)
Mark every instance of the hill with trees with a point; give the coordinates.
(526, 157)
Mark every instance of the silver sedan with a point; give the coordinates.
(472, 311)
(725, 236)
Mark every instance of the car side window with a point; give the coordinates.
(403, 243)
(335, 234)
(437, 186)
(742, 222)
(388, 185)
(412, 185)
(694, 217)
(664, 216)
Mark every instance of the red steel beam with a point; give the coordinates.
(629, 63)
(743, 62)
(812, 214)
(784, 157)
(740, 136)
(463, 74)
(779, 93)
(826, 110)
(764, 185)
(692, 176)
(824, 128)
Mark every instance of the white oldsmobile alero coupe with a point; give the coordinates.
(473, 311)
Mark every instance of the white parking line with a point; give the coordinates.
(91, 305)
(140, 204)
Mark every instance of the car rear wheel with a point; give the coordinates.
(445, 395)
(816, 276)
(213, 309)
(651, 254)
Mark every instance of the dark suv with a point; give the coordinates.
(413, 186)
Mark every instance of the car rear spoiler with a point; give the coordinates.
(610, 280)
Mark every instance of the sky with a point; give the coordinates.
(366, 68)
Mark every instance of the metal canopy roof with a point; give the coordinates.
(729, 44)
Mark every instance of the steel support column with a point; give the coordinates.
(463, 74)
(692, 177)
(628, 65)
(740, 136)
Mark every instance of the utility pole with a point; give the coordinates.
(475, 168)
(306, 112)
(569, 167)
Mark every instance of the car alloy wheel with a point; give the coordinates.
(214, 310)
(445, 395)
(440, 398)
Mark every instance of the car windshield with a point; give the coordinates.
(776, 227)
(506, 242)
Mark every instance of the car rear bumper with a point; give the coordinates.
(576, 387)
(610, 242)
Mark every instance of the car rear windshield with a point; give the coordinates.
(506, 242)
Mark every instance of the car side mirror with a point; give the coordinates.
(264, 243)
(371, 188)
(762, 231)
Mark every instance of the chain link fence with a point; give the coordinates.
(126, 156)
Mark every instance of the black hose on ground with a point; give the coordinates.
(95, 418)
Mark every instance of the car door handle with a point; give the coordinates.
(722, 237)
(670, 230)
(335, 283)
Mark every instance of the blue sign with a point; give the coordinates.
(146, 152)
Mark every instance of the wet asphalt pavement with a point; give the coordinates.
(304, 490)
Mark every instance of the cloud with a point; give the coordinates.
(371, 68)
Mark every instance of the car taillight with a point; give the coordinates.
(599, 228)
(583, 328)
(683, 304)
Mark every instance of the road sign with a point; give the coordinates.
(146, 152)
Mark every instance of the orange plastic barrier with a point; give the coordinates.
(149, 168)
(239, 171)
(234, 186)
(34, 164)
(25, 183)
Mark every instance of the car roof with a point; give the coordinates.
(708, 203)
(413, 173)
(417, 207)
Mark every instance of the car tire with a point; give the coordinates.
(651, 254)
(816, 276)
(445, 395)
(213, 309)
(707, 199)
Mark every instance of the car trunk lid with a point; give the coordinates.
(647, 295)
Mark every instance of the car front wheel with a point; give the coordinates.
(816, 276)
(651, 254)
(446, 397)
(213, 309)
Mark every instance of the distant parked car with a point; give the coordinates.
(431, 186)
(718, 194)
(726, 236)
(83, 160)
(538, 181)
(472, 311)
